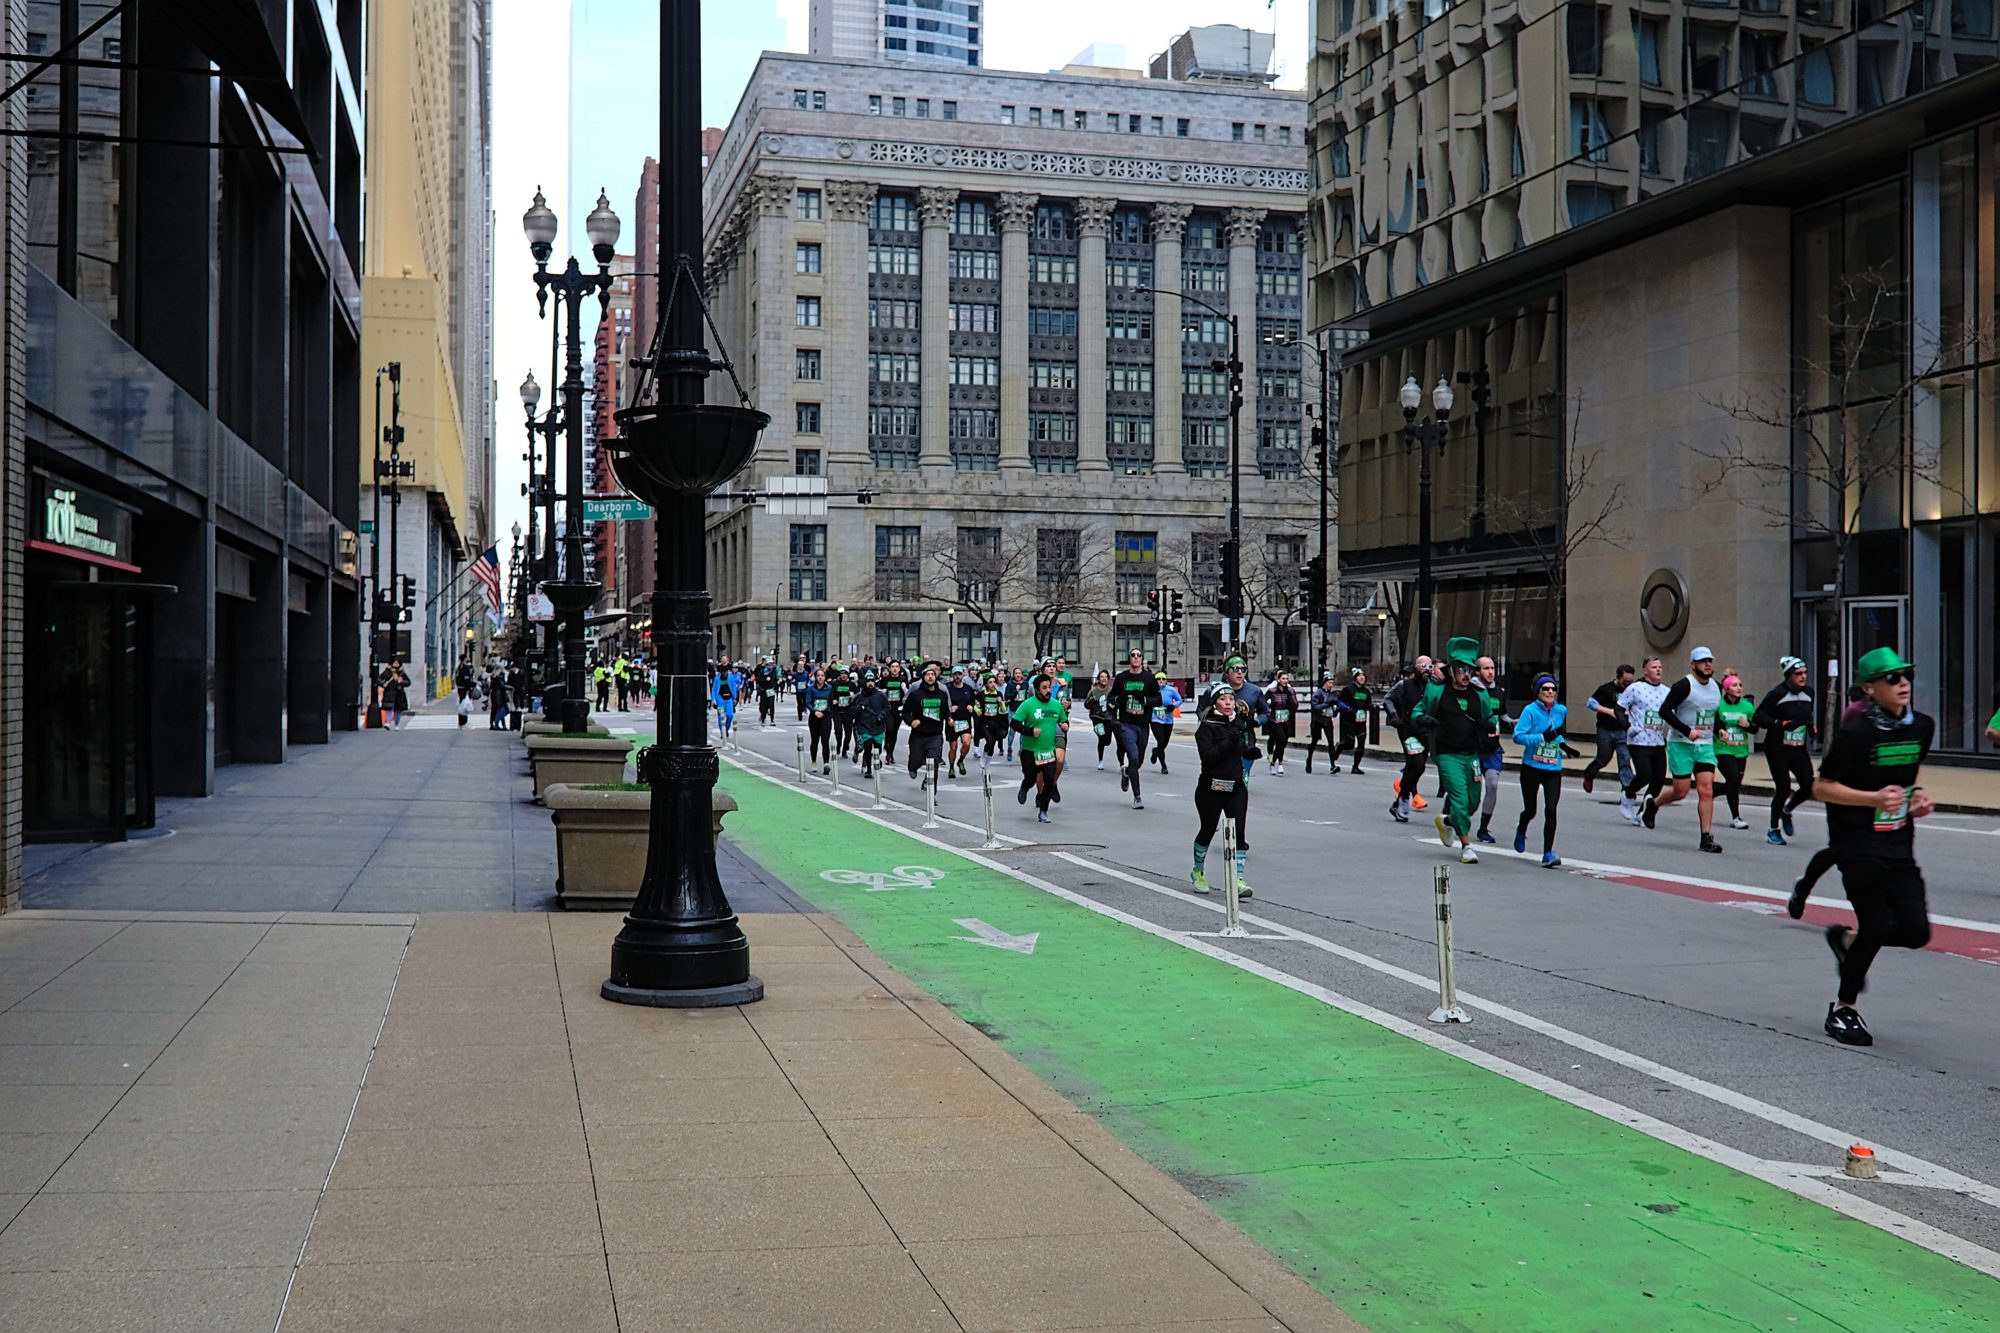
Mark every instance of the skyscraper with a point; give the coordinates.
(943, 32)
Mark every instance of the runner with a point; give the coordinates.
(1135, 693)
(1788, 718)
(1539, 733)
(1611, 729)
(842, 683)
(1732, 744)
(1040, 721)
(1401, 705)
(1281, 706)
(872, 711)
(1646, 737)
(1355, 704)
(1325, 709)
(1689, 714)
(1099, 707)
(925, 708)
(1868, 781)
(894, 685)
(963, 697)
(1227, 746)
(802, 683)
(722, 693)
(991, 727)
(767, 693)
(1492, 758)
(1164, 714)
(1454, 717)
(819, 722)
(1017, 693)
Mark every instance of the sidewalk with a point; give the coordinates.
(360, 1123)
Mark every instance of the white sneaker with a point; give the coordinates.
(1628, 809)
(1100, 765)
(1466, 855)
(1737, 821)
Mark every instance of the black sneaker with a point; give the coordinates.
(1124, 780)
(1396, 812)
(1844, 1025)
(1709, 844)
(1795, 906)
(1650, 813)
(1021, 798)
(1836, 940)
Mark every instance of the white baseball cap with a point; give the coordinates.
(1701, 655)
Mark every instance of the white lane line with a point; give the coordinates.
(1940, 1242)
(1942, 1177)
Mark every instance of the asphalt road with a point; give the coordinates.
(1645, 973)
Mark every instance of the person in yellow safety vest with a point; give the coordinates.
(602, 677)
(621, 676)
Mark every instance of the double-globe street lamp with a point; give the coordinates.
(1426, 435)
(540, 489)
(574, 593)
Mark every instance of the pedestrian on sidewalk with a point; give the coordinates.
(395, 694)
(1039, 722)
(1453, 719)
(496, 698)
(1611, 729)
(1869, 782)
(1539, 733)
(1225, 741)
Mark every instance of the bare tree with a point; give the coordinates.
(1054, 574)
(1271, 578)
(1581, 511)
(1071, 577)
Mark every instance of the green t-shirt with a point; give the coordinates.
(1049, 717)
(1733, 732)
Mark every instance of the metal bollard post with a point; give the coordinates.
(992, 842)
(833, 775)
(802, 758)
(878, 790)
(1231, 904)
(1448, 1010)
(930, 798)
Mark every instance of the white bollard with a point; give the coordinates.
(930, 798)
(833, 776)
(802, 758)
(1231, 903)
(992, 842)
(1448, 1010)
(879, 805)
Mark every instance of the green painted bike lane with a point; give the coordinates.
(1414, 1189)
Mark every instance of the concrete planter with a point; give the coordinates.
(555, 729)
(601, 843)
(577, 760)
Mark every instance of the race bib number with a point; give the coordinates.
(961, 726)
(1795, 735)
(1224, 785)
(1549, 752)
(1281, 715)
(1886, 822)
(1098, 728)
(1048, 758)
(819, 707)
(1412, 745)
(1735, 736)
(1136, 704)
(1651, 718)
(933, 709)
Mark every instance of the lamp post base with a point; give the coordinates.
(748, 990)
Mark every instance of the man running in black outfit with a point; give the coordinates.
(926, 707)
(1135, 693)
(1401, 704)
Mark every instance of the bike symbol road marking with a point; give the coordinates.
(887, 881)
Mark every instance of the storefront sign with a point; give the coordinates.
(76, 521)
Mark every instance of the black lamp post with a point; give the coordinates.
(681, 945)
(574, 593)
(1323, 444)
(536, 568)
(1427, 435)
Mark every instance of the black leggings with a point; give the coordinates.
(1212, 805)
(1889, 910)
(1413, 766)
(1537, 783)
(1790, 766)
(820, 727)
(1322, 724)
(1731, 768)
(1353, 732)
(1105, 740)
(1649, 770)
(1275, 744)
(1822, 861)
(1033, 774)
(1162, 733)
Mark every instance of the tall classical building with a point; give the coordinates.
(178, 462)
(426, 295)
(945, 298)
(1721, 276)
(929, 32)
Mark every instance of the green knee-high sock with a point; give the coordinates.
(1242, 864)
(1200, 856)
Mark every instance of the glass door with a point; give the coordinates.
(1868, 623)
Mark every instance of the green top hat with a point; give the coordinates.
(1462, 652)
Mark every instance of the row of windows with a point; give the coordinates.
(1589, 134)
(902, 106)
(895, 259)
(974, 217)
(814, 99)
(984, 423)
(892, 368)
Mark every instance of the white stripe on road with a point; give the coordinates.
(1784, 1176)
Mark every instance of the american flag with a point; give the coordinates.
(487, 570)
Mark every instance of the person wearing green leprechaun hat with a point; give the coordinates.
(1454, 716)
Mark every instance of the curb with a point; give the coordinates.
(1255, 1270)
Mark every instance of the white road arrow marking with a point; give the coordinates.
(996, 937)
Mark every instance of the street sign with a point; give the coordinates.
(367, 527)
(618, 510)
(540, 608)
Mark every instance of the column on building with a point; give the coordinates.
(1093, 216)
(1017, 213)
(935, 206)
(1169, 230)
(770, 224)
(1241, 226)
(844, 320)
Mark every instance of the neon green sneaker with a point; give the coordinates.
(1199, 878)
(1445, 833)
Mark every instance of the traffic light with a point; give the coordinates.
(1232, 586)
(407, 584)
(1153, 612)
(1312, 590)
(864, 496)
(1176, 602)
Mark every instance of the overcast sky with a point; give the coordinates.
(575, 93)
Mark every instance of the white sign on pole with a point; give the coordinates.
(540, 607)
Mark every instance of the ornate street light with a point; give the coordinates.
(1427, 434)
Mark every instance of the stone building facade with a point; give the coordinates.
(946, 300)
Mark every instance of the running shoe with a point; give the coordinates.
(1844, 1025)
(1551, 860)
(1445, 834)
(1356, 770)
(1419, 802)
(1650, 813)
(1396, 811)
(1775, 838)
(1042, 817)
(1836, 940)
(1738, 821)
(1589, 783)
(1521, 841)
(1795, 906)
(1628, 809)
(1709, 844)
(1486, 836)
(1100, 765)
(1138, 804)
(1467, 856)
(1124, 779)
(1199, 878)
(1243, 890)
(1790, 832)
(1021, 797)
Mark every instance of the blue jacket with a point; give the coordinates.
(715, 691)
(1531, 732)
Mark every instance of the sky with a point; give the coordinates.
(575, 109)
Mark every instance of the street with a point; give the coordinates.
(1644, 980)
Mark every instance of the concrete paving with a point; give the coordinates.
(351, 1121)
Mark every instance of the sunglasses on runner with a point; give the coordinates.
(1898, 677)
